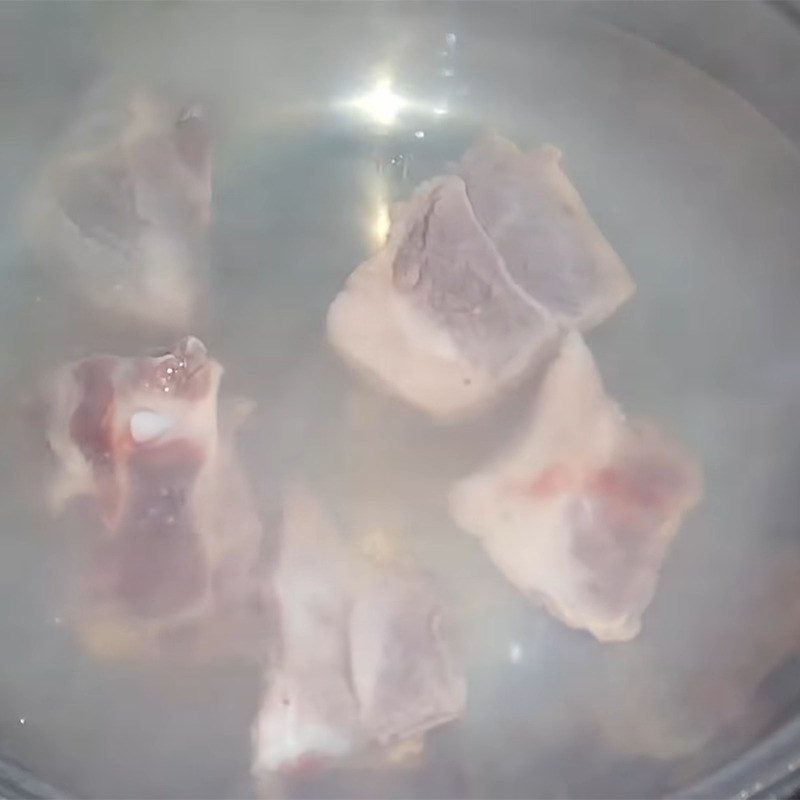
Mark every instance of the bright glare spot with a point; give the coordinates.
(381, 224)
(515, 652)
(22, 720)
(448, 72)
(381, 104)
(419, 134)
(451, 39)
(440, 111)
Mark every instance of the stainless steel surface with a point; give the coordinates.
(750, 47)
(320, 106)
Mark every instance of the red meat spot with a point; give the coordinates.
(550, 482)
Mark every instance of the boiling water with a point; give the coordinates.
(698, 194)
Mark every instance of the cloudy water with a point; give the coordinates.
(324, 115)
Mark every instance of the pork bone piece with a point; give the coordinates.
(362, 659)
(120, 213)
(580, 512)
(480, 272)
(172, 526)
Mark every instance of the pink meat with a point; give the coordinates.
(552, 249)
(140, 438)
(480, 273)
(579, 513)
(362, 658)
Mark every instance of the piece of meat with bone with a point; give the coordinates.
(481, 270)
(120, 213)
(580, 512)
(553, 251)
(362, 660)
(141, 440)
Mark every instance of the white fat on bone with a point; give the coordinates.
(148, 425)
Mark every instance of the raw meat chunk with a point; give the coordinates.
(309, 708)
(431, 316)
(580, 512)
(450, 271)
(401, 672)
(361, 657)
(120, 213)
(551, 247)
(481, 270)
(139, 439)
